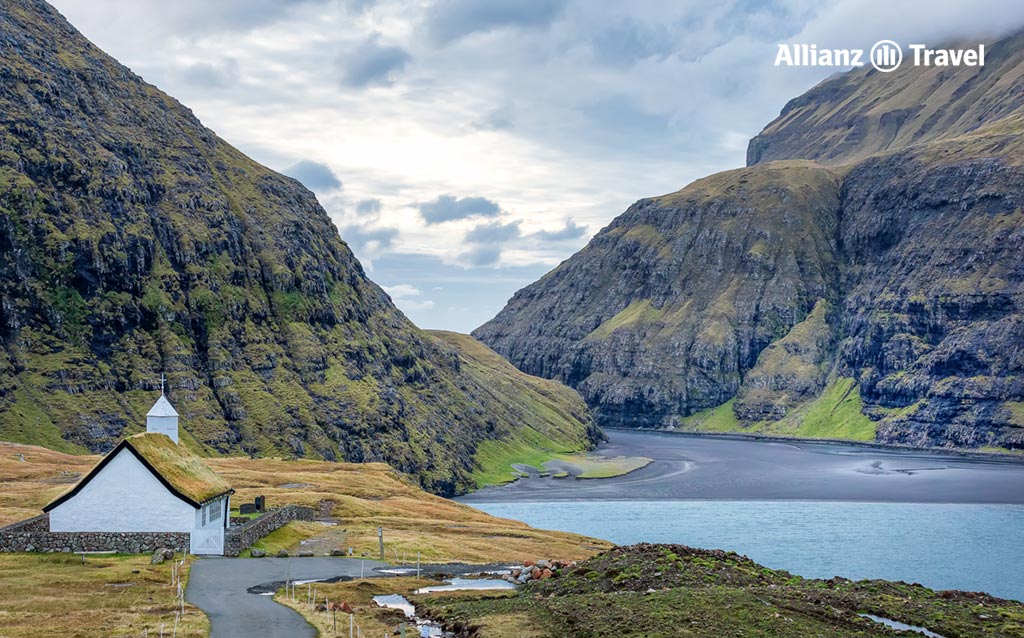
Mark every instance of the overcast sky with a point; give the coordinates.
(465, 147)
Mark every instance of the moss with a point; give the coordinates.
(637, 313)
(719, 419)
(837, 413)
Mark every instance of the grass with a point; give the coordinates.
(109, 595)
(720, 419)
(592, 466)
(836, 413)
(361, 496)
(672, 591)
(496, 458)
(287, 538)
(370, 619)
(638, 312)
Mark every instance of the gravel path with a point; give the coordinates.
(220, 587)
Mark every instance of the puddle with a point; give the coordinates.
(269, 589)
(467, 583)
(427, 628)
(895, 624)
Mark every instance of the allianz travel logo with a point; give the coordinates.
(885, 56)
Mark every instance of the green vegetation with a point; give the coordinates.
(636, 313)
(593, 466)
(663, 591)
(720, 419)
(837, 413)
(551, 418)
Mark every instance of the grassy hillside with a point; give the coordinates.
(554, 418)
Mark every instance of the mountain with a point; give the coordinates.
(134, 241)
(861, 277)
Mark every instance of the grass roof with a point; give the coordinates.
(185, 471)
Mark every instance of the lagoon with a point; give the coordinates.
(945, 521)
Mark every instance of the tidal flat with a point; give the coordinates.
(685, 467)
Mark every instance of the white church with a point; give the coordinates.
(149, 483)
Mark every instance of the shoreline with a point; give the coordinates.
(966, 453)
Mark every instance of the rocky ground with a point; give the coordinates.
(672, 590)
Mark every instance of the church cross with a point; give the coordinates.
(162, 379)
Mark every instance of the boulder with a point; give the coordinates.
(305, 554)
(257, 553)
(158, 558)
(168, 554)
(282, 554)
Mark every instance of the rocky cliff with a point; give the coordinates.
(134, 241)
(861, 278)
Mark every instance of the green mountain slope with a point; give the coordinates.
(852, 286)
(134, 241)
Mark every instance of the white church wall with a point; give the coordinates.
(123, 497)
(212, 514)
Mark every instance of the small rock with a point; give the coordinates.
(305, 554)
(158, 558)
(282, 554)
(168, 554)
(257, 553)
(337, 552)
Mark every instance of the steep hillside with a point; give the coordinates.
(853, 115)
(134, 241)
(835, 291)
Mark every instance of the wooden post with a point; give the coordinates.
(351, 625)
(380, 538)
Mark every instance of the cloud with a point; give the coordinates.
(212, 75)
(399, 291)
(570, 231)
(493, 233)
(448, 208)
(450, 20)
(368, 206)
(481, 256)
(369, 243)
(372, 64)
(313, 175)
(406, 297)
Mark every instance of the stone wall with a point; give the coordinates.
(34, 535)
(242, 537)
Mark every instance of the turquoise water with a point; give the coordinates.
(969, 547)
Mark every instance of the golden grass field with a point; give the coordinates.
(365, 496)
(54, 594)
(107, 595)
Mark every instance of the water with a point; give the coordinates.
(467, 583)
(425, 628)
(974, 547)
(895, 624)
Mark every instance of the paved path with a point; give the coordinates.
(219, 587)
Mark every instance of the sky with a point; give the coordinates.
(463, 148)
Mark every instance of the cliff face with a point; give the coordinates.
(134, 241)
(848, 283)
